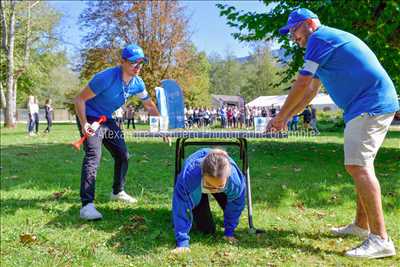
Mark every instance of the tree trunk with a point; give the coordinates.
(9, 116)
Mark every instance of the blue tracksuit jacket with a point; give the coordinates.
(187, 195)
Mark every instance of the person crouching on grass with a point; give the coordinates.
(107, 91)
(207, 171)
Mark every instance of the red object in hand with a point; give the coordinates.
(77, 144)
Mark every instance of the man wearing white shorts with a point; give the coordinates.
(358, 84)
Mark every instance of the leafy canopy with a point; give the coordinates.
(376, 22)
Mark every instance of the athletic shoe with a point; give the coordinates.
(89, 212)
(123, 197)
(350, 229)
(372, 248)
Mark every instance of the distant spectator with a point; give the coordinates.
(313, 122)
(49, 115)
(223, 115)
(306, 118)
(31, 116)
(294, 122)
(33, 108)
(130, 117)
(273, 111)
(229, 115)
(264, 112)
(242, 118)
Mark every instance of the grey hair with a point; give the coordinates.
(216, 164)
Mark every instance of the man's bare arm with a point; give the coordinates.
(296, 96)
(151, 107)
(312, 91)
(80, 107)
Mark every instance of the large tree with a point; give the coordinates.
(374, 21)
(27, 27)
(226, 75)
(261, 74)
(159, 27)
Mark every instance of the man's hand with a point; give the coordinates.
(91, 129)
(231, 239)
(180, 250)
(276, 124)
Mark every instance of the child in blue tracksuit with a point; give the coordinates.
(190, 199)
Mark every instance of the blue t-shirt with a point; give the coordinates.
(350, 72)
(112, 92)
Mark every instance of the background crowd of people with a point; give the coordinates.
(243, 118)
(227, 116)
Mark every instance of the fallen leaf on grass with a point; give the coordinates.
(300, 206)
(27, 238)
(137, 224)
(320, 214)
(57, 195)
(137, 218)
(392, 194)
(339, 175)
(297, 169)
(116, 245)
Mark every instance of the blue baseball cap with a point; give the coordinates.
(133, 53)
(295, 17)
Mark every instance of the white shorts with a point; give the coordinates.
(363, 136)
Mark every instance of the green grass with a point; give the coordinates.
(300, 190)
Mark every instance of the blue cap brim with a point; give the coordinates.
(134, 59)
(285, 29)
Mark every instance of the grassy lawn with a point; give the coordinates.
(300, 189)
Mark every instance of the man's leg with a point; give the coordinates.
(115, 144)
(36, 122)
(202, 217)
(369, 192)
(91, 161)
(363, 137)
(361, 215)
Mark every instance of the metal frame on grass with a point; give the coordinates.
(241, 142)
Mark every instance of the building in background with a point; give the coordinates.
(229, 100)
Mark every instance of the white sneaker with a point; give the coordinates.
(350, 229)
(372, 248)
(123, 197)
(89, 212)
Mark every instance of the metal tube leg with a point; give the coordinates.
(246, 171)
(177, 158)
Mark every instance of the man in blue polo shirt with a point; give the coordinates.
(358, 84)
(107, 91)
(207, 171)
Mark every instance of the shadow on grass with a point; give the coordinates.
(142, 231)
(311, 172)
(134, 231)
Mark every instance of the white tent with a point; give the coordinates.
(321, 101)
